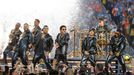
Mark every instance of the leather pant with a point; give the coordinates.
(8, 51)
(120, 59)
(85, 58)
(20, 52)
(61, 54)
(38, 56)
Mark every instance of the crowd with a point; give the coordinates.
(122, 13)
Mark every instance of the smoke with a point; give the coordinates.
(50, 12)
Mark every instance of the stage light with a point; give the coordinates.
(127, 58)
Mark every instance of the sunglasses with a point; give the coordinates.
(63, 29)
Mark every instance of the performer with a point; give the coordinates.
(13, 40)
(36, 32)
(102, 29)
(103, 35)
(89, 49)
(24, 43)
(36, 36)
(117, 45)
(44, 47)
(61, 43)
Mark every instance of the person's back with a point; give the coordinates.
(99, 69)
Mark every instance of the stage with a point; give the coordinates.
(75, 64)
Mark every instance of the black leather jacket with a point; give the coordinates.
(118, 44)
(36, 36)
(45, 43)
(25, 39)
(14, 37)
(89, 44)
(62, 40)
(63, 43)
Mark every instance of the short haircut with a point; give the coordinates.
(37, 20)
(99, 67)
(18, 24)
(45, 26)
(62, 26)
(25, 23)
(101, 19)
(92, 30)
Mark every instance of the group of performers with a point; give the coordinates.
(39, 40)
(101, 39)
(42, 43)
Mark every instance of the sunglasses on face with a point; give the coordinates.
(63, 29)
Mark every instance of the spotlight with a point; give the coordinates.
(127, 58)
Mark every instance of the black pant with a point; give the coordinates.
(61, 54)
(40, 55)
(61, 57)
(20, 52)
(120, 59)
(85, 58)
(8, 51)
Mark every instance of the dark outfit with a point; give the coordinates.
(14, 38)
(45, 44)
(36, 37)
(22, 47)
(117, 44)
(61, 51)
(89, 44)
(102, 41)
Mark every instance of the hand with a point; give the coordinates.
(64, 67)
(33, 30)
(110, 53)
(57, 45)
(109, 65)
(27, 53)
(101, 35)
(14, 48)
(54, 63)
(117, 53)
(30, 45)
(11, 35)
(86, 53)
(46, 53)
